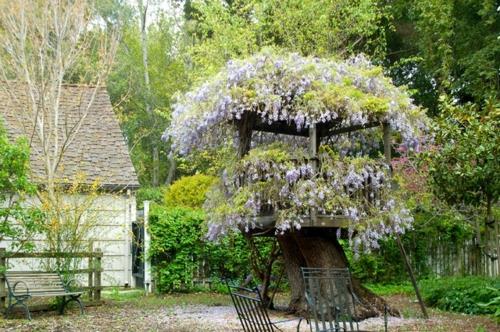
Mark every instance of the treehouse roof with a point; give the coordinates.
(287, 94)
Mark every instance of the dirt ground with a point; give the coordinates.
(213, 312)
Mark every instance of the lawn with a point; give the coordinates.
(132, 311)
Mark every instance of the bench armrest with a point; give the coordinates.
(18, 294)
(71, 284)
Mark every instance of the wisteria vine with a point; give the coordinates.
(298, 90)
(274, 180)
(271, 179)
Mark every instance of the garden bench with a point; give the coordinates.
(331, 300)
(251, 311)
(23, 286)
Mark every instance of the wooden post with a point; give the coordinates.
(245, 128)
(147, 244)
(91, 270)
(387, 153)
(97, 275)
(313, 151)
(3, 268)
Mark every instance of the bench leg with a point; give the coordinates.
(20, 303)
(74, 299)
(79, 301)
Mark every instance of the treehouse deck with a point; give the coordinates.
(266, 223)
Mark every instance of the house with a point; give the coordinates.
(97, 150)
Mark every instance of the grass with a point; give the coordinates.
(391, 289)
(139, 298)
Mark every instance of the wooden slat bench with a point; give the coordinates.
(22, 286)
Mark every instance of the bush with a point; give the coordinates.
(178, 250)
(461, 294)
(188, 191)
(153, 194)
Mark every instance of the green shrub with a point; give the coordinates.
(178, 249)
(188, 191)
(153, 194)
(461, 294)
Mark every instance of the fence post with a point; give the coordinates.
(91, 270)
(147, 243)
(3, 268)
(97, 275)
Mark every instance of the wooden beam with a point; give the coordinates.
(343, 130)
(321, 221)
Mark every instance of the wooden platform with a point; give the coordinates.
(318, 221)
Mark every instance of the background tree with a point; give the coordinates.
(464, 171)
(43, 45)
(144, 111)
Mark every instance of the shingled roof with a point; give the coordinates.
(98, 151)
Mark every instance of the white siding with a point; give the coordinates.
(112, 235)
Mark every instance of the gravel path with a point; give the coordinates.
(177, 318)
(213, 313)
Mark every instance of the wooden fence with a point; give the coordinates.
(459, 259)
(93, 271)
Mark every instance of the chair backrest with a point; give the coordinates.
(251, 311)
(330, 299)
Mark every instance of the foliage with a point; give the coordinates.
(153, 194)
(458, 40)
(178, 256)
(430, 228)
(222, 30)
(18, 221)
(461, 294)
(277, 179)
(493, 306)
(129, 92)
(299, 90)
(391, 289)
(188, 191)
(465, 169)
(71, 217)
(445, 47)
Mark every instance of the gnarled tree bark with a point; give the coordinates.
(321, 248)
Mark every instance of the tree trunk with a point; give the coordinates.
(155, 154)
(293, 261)
(320, 248)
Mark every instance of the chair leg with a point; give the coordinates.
(298, 326)
(385, 317)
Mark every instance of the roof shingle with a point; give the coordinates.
(98, 151)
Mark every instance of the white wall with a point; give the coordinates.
(113, 236)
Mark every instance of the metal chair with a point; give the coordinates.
(330, 299)
(251, 311)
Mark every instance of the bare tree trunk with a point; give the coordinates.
(171, 169)
(143, 9)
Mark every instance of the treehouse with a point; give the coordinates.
(308, 162)
(315, 134)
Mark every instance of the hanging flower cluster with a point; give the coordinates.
(300, 91)
(288, 185)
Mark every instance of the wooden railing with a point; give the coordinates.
(93, 270)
